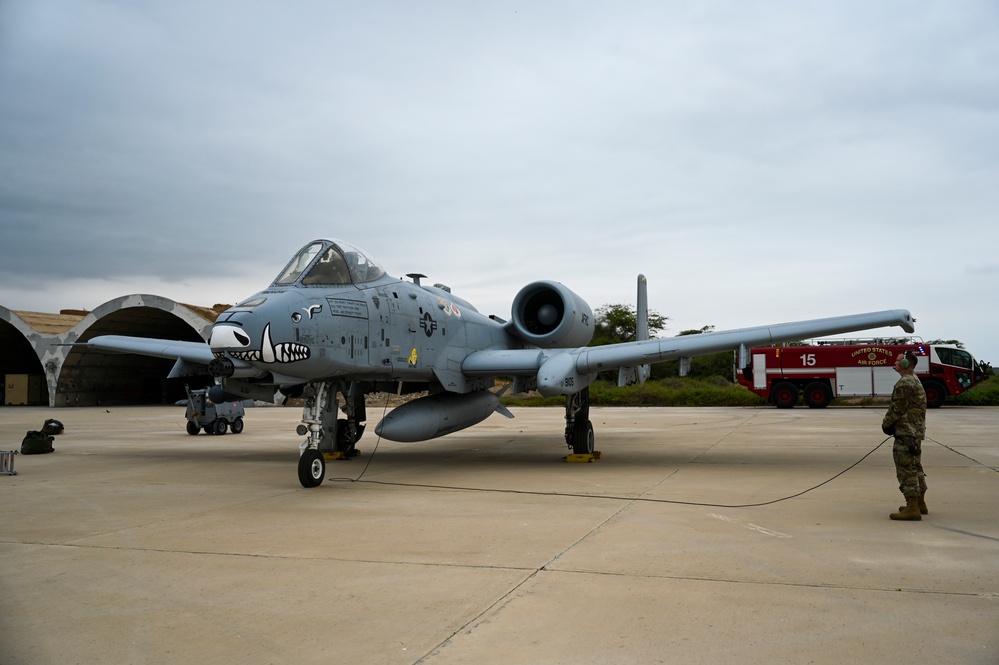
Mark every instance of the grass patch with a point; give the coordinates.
(717, 391)
(711, 391)
(984, 394)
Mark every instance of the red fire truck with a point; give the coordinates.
(822, 370)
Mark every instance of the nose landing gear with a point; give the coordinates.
(329, 437)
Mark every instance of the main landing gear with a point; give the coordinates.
(578, 428)
(329, 437)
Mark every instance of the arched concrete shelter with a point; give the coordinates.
(37, 344)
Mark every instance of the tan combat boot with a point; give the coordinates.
(923, 510)
(910, 511)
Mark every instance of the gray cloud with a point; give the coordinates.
(757, 162)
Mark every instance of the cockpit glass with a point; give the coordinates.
(330, 269)
(361, 267)
(299, 264)
(332, 263)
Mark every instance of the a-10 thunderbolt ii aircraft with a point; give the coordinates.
(335, 326)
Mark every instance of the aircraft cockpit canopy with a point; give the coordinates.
(328, 263)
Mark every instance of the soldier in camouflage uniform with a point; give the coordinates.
(906, 421)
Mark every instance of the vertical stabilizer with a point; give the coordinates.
(629, 375)
(642, 311)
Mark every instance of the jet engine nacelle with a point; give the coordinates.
(547, 314)
(436, 415)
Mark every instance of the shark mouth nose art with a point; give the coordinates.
(269, 352)
(227, 337)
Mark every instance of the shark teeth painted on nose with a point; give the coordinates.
(287, 352)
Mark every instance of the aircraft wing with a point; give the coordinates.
(192, 358)
(566, 371)
(197, 353)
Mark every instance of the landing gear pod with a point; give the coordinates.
(436, 415)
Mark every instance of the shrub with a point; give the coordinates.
(718, 391)
(674, 391)
(984, 394)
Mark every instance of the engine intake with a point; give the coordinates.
(547, 314)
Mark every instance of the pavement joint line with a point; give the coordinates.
(730, 431)
(507, 596)
(958, 452)
(285, 557)
(962, 532)
(196, 513)
(796, 585)
(492, 609)
(534, 572)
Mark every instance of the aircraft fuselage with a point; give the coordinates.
(386, 329)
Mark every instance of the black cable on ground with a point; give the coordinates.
(601, 496)
(370, 457)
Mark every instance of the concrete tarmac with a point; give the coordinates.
(137, 543)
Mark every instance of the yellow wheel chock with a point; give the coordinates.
(583, 457)
(329, 457)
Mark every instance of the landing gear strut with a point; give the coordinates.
(327, 434)
(350, 429)
(578, 428)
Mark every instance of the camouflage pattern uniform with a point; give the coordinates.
(907, 416)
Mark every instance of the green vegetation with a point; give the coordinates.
(984, 394)
(717, 391)
(613, 324)
(675, 391)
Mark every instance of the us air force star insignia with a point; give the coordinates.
(428, 324)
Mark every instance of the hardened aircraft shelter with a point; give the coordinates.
(41, 365)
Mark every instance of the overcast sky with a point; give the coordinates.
(760, 162)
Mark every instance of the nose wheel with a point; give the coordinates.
(311, 468)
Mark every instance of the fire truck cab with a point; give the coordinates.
(820, 371)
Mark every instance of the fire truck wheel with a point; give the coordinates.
(818, 395)
(935, 393)
(784, 395)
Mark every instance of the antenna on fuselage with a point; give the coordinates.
(415, 276)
